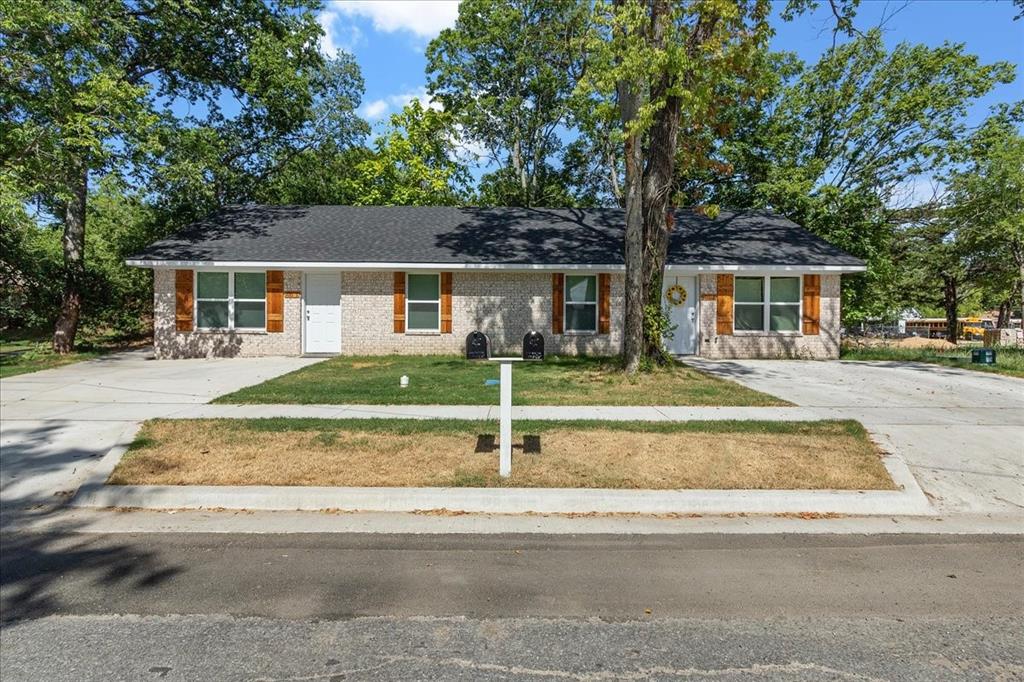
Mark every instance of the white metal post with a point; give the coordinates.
(505, 414)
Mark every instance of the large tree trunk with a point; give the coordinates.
(1021, 272)
(949, 302)
(1003, 320)
(73, 244)
(633, 324)
(657, 189)
(629, 100)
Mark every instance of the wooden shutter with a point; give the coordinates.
(557, 303)
(183, 300)
(604, 303)
(812, 305)
(446, 303)
(275, 300)
(399, 303)
(723, 306)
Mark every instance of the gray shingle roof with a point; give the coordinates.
(508, 236)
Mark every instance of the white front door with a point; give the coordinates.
(323, 313)
(679, 300)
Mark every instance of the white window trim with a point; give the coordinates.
(566, 303)
(231, 302)
(766, 305)
(409, 299)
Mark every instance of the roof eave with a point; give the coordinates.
(520, 267)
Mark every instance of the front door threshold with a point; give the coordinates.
(320, 355)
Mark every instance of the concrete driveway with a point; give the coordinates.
(961, 432)
(58, 422)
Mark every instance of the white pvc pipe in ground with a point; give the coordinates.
(505, 432)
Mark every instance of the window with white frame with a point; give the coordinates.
(766, 303)
(784, 304)
(423, 302)
(581, 303)
(231, 300)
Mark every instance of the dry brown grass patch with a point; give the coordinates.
(197, 452)
(370, 363)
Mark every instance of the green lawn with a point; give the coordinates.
(23, 352)
(1009, 361)
(450, 380)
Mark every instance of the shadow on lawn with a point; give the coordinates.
(487, 443)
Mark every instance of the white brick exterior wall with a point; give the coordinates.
(824, 346)
(504, 305)
(170, 343)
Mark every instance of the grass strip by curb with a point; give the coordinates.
(835, 454)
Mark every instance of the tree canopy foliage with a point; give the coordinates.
(507, 71)
(840, 144)
(94, 87)
(136, 117)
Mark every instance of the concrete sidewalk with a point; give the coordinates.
(490, 412)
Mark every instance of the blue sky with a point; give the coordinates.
(388, 39)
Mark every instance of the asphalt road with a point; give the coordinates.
(227, 607)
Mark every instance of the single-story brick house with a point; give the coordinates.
(288, 280)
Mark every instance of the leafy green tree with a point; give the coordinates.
(502, 188)
(507, 70)
(30, 265)
(121, 222)
(841, 140)
(987, 200)
(932, 262)
(660, 65)
(414, 163)
(321, 175)
(89, 87)
(216, 161)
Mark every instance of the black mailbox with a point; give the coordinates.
(533, 346)
(478, 346)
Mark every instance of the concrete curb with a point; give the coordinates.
(83, 520)
(504, 501)
(490, 412)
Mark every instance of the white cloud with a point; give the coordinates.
(423, 18)
(337, 36)
(399, 100)
(373, 110)
(376, 110)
